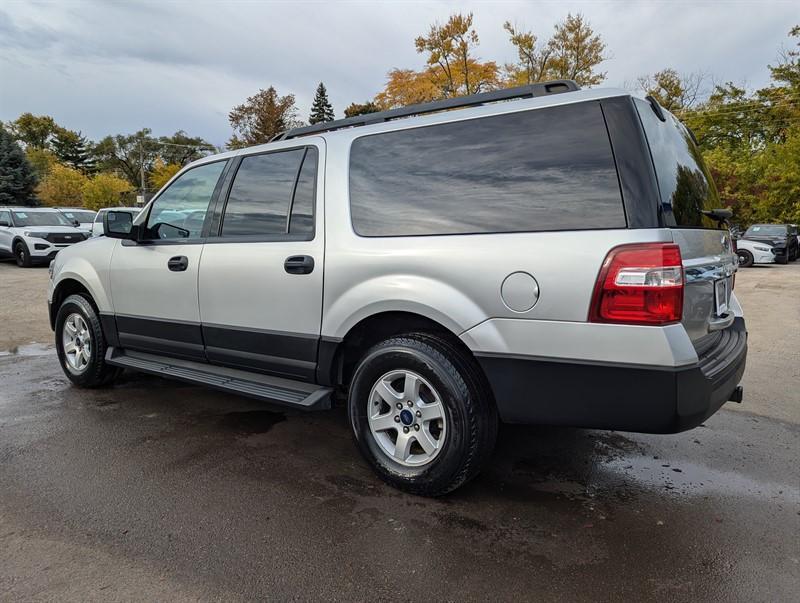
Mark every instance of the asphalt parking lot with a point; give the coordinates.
(161, 491)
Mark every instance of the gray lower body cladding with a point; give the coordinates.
(618, 397)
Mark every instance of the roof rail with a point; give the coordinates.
(529, 91)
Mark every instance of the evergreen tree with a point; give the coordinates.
(72, 149)
(17, 178)
(321, 110)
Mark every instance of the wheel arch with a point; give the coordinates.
(70, 285)
(339, 356)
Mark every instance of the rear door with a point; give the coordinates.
(5, 231)
(687, 191)
(260, 286)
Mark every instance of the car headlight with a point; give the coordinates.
(50, 268)
(761, 248)
(34, 234)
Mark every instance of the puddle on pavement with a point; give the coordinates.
(29, 349)
(252, 421)
(688, 479)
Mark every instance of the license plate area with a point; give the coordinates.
(722, 296)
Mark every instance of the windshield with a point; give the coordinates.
(40, 218)
(79, 215)
(766, 230)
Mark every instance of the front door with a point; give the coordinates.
(260, 284)
(154, 280)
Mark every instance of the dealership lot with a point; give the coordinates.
(155, 489)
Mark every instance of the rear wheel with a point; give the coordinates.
(421, 414)
(81, 345)
(745, 258)
(22, 255)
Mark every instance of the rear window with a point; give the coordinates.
(546, 169)
(685, 186)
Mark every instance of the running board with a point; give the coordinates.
(277, 390)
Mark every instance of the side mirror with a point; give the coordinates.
(75, 223)
(5, 223)
(119, 225)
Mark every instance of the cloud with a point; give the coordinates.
(104, 67)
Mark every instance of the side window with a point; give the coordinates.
(261, 194)
(538, 170)
(179, 212)
(5, 216)
(301, 221)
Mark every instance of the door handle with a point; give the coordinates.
(299, 264)
(178, 264)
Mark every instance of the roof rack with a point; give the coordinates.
(529, 91)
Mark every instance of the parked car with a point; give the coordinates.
(97, 225)
(753, 252)
(528, 261)
(34, 235)
(79, 217)
(780, 237)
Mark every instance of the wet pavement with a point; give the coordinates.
(161, 491)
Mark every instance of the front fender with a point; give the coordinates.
(400, 293)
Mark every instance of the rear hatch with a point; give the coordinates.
(687, 192)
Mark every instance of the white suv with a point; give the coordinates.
(34, 235)
(554, 258)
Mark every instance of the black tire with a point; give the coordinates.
(97, 373)
(784, 259)
(745, 258)
(22, 255)
(471, 416)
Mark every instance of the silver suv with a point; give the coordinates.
(540, 255)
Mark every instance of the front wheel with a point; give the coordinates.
(745, 258)
(22, 255)
(81, 345)
(421, 414)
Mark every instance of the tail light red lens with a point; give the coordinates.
(640, 284)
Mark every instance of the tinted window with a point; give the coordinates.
(258, 203)
(302, 219)
(684, 183)
(180, 210)
(40, 218)
(547, 169)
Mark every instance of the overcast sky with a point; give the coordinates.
(107, 68)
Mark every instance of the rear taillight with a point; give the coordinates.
(639, 284)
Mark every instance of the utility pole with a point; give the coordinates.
(141, 167)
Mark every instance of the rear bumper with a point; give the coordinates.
(618, 396)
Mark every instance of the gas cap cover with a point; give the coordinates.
(519, 291)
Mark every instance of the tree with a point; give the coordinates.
(127, 154)
(575, 51)
(533, 62)
(17, 178)
(674, 92)
(162, 173)
(321, 109)
(449, 48)
(63, 186)
(34, 130)
(72, 149)
(361, 109)
(262, 117)
(41, 161)
(408, 87)
(104, 190)
(180, 148)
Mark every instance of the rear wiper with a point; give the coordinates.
(721, 216)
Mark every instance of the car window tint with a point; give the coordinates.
(685, 186)
(179, 211)
(546, 169)
(258, 203)
(301, 221)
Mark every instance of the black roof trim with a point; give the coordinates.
(529, 91)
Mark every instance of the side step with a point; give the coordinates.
(305, 396)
